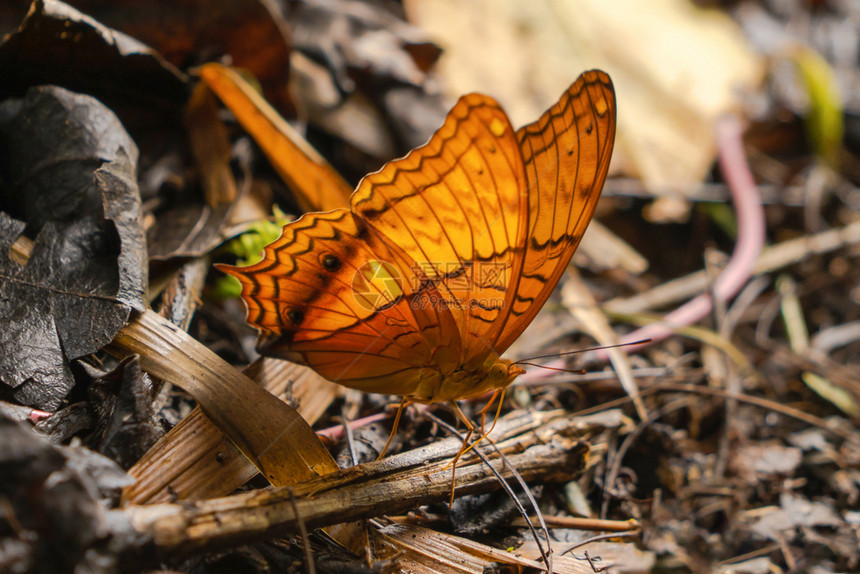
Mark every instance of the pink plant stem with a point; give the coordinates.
(37, 415)
(751, 235)
(336, 432)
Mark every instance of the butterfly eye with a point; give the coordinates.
(330, 262)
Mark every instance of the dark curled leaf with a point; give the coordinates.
(348, 35)
(57, 498)
(189, 230)
(252, 33)
(56, 44)
(126, 424)
(67, 168)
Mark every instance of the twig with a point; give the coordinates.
(763, 403)
(303, 532)
(615, 467)
(600, 537)
(580, 523)
(749, 399)
(771, 259)
(704, 192)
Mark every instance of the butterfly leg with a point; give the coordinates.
(403, 404)
(470, 429)
(500, 393)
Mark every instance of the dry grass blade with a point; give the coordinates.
(317, 186)
(421, 550)
(606, 250)
(582, 305)
(196, 460)
(842, 376)
(269, 432)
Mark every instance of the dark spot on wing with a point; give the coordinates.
(295, 316)
(330, 262)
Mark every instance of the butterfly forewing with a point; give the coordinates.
(566, 154)
(455, 209)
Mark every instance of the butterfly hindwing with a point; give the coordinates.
(326, 295)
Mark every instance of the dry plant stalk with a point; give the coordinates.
(549, 446)
(771, 259)
(419, 550)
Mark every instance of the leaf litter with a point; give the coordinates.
(746, 454)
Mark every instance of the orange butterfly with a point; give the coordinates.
(443, 257)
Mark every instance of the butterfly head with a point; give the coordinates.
(504, 372)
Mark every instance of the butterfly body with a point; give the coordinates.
(443, 257)
(462, 383)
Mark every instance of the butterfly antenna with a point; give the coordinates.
(546, 555)
(403, 404)
(556, 355)
(558, 369)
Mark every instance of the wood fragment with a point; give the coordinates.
(549, 446)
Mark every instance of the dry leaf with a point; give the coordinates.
(676, 68)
